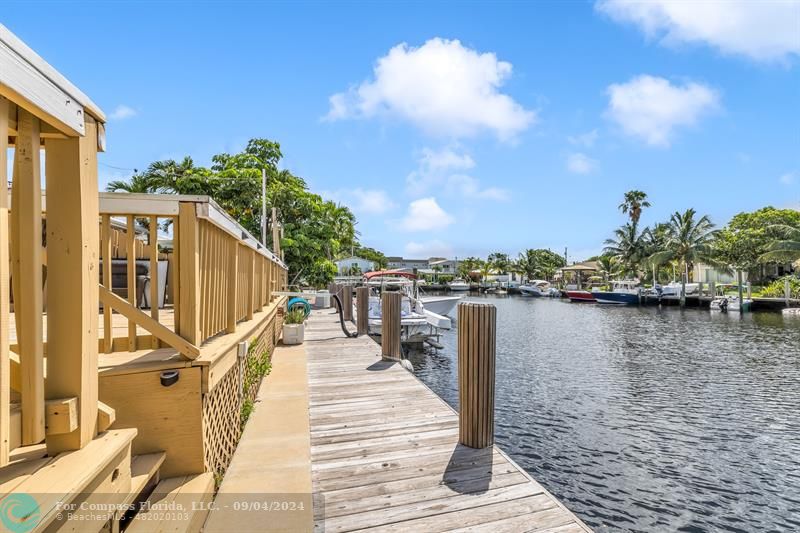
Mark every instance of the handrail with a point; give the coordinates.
(158, 330)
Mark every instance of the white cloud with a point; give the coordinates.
(434, 248)
(469, 187)
(788, 179)
(442, 87)
(765, 30)
(439, 168)
(372, 201)
(651, 108)
(362, 201)
(425, 214)
(121, 112)
(579, 163)
(584, 139)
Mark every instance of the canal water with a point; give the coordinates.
(643, 419)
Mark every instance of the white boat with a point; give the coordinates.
(441, 305)
(416, 322)
(730, 303)
(536, 287)
(458, 285)
(674, 289)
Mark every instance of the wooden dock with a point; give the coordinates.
(385, 452)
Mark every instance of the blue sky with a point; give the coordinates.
(455, 128)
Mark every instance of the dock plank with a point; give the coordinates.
(385, 452)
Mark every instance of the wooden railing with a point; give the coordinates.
(218, 273)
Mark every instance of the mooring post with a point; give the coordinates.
(712, 288)
(740, 291)
(390, 325)
(362, 310)
(347, 302)
(787, 291)
(700, 293)
(749, 290)
(331, 291)
(476, 362)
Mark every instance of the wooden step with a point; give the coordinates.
(177, 504)
(97, 472)
(144, 472)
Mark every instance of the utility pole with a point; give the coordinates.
(276, 234)
(264, 206)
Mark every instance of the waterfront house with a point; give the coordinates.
(400, 263)
(353, 265)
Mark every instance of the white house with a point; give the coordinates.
(354, 265)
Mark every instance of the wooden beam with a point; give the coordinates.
(106, 416)
(27, 271)
(74, 251)
(61, 416)
(105, 246)
(251, 278)
(232, 278)
(5, 362)
(154, 273)
(136, 316)
(130, 251)
(189, 274)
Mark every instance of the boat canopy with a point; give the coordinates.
(389, 273)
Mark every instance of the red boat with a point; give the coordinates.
(580, 296)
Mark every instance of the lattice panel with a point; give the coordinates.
(222, 406)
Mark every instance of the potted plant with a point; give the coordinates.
(294, 326)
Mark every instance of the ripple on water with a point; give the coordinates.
(647, 418)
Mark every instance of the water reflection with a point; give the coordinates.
(647, 418)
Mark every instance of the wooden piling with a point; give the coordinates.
(476, 373)
(787, 291)
(347, 302)
(712, 288)
(362, 310)
(390, 325)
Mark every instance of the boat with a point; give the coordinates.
(623, 292)
(536, 287)
(580, 296)
(458, 285)
(724, 304)
(442, 305)
(673, 289)
(417, 322)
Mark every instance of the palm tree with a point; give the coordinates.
(633, 203)
(786, 247)
(688, 241)
(609, 266)
(140, 183)
(627, 247)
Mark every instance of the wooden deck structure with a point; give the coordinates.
(101, 393)
(385, 452)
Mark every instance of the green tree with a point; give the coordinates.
(499, 262)
(628, 248)
(467, 266)
(539, 263)
(688, 241)
(745, 243)
(633, 204)
(786, 247)
(314, 230)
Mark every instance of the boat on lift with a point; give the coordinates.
(417, 323)
(623, 292)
